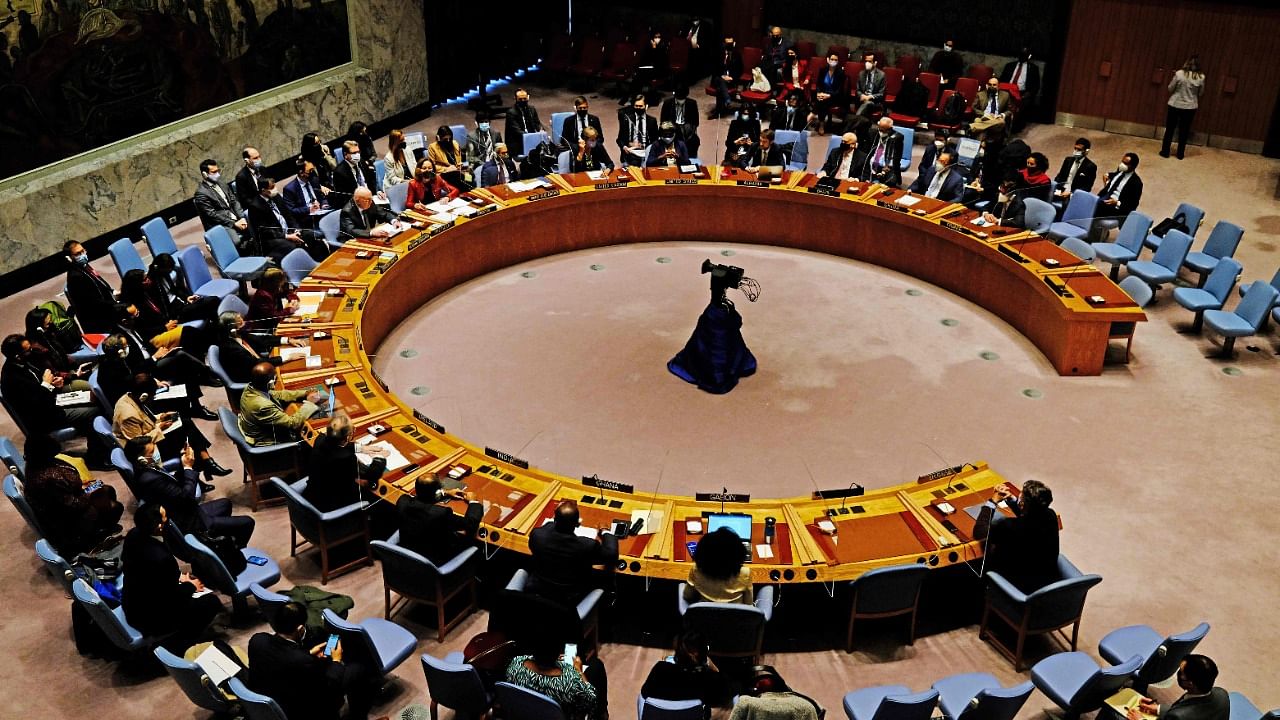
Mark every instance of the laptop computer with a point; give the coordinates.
(739, 524)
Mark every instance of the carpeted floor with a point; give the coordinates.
(1158, 467)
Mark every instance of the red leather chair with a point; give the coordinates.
(909, 65)
(892, 84)
(805, 48)
(981, 73)
(840, 50)
(931, 82)
(559, 54)
(937, 123)
(590, 58)
(969, 88)
(622, 63)
(678, 54)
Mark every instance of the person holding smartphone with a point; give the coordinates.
(580, 688)
(689, 674)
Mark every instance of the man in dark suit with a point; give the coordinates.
(869, 91)
(1009, 210)
(741, 137)
(562, 560)
(361, 217)
(277, 229)
(1200, 699)
(429, 527)
(941, 143)
(215, 202)
(794, 115)
(171, 363)
(500, 170)
(30, 392)
(1121, 190)
(636, 130)
(125, 354)
(247, 179)
(302, 681)
(581, 120)
(177, 493)
(354, 172)
(157, 600)
(1025, 76)
(724, 78)
(92, 299)
(1024, 548)
(682, 111)
(669, 150)
(766, 153)
(521, 118)
(885, 155)
(304, 194)
(239, 349)
(846, 161)
(1077, 172)
(940, 180)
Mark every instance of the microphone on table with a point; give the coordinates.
(845, 499)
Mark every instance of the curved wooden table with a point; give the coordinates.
(354, 299)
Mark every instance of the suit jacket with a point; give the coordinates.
(728, 63)
(1012, 213)
(1084, 178)
(625, 124)
(489, 173)
(344, 177)
(930, 155)
(440, 156)
(25, 392)
(331, 482)
(131, 420)
(263, 420)
(92, 300)
(891, 173)
(1033, 79)
(153, 600)
(952, 183)
(1214, 706)
(858, 167)
(667, 113)
(836, 84)
(871, 82)
(772, 156)
(213, 208)
(297, 202)
(799, 120)
(267, 228)
(246, 185)
(482, 147)
(1024, 548)
(431, 529)
(982, 104)
(303, 685)
(596, 159)
(520, 121)
(237, 360)
(571, 133)
(562, 562)
(739, 126)
(657, 149)
(357, 224)
(176, 492)
(1129, 198)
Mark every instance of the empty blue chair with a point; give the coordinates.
(325, 530)
(1077, 684)
(1077, 218)
(297, 265)
(269, 601)
(222, 248)
(563, 164)
(1079, 248)
(379, 170)
(414, 577)
(1161, 656)
(125, 256)
(799, 141)
(14, 462)
(587, 608)
(1213, 295)
(331, 227)
(979, 696)
(557, 124)
(1242, 708)
(233, 303)
(194, 683)
(731, 629)
(531, 141)
(1141, 293)
(908, 146)
(526, 704)
(1246, 319)
(398, 197)
(1163, 267)
(95, 387)
(158, 238)
(199, 279)
(102, 427)
(1275, 283)
(57, 566)
(1128, 244)
(19, 500)
(1188, 214)
(215, 575)
(1222, 243)
(657, 709)
(1049, 609)
(890, 702)
(374, 643)
(110, 621)
(460, 135)
(255, 706)
(455, 685)
(887, 592)
(1039, 215)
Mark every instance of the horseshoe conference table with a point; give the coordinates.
(356, 297)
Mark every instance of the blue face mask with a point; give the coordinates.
(484, 126)
(155, 457)
(81, 259)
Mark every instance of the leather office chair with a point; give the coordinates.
(269, 601)
(233, 303)
(110, 621)
(1212, 294)
(1242, 708)
(325, 530)
(1161, 656)
(979, 696)
(233, 389)
(196, 270)
(1051, 608)
(222, 248)
(890, 702)
(513, 605)
(1079, 248)
(1039, 215)
(377, 644)
(657, 709)
(1077, 219)
(887, 592)
(1077, 684)
(1141, 293)
(799, 141)
(1222, 243)
(159, 240)
(414, 577)
(299, 263)
(558, 120)
(57, 566)
(331, 227)
(61, 434)
(12, 458)
(1128, 244)
(397, 197)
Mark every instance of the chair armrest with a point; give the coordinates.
(458, 561)
(299, 486)
(1004, 586)
(681, 603)
(764, 601)
(394, 539)
(1067, 568)
(343, 511)
(271, 449)
(456, 657)
(519, 580)
(588, 604)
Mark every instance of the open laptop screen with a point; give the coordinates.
(739, 524)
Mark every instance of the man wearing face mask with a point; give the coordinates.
(580, 121)
(1077, 172)
(178, 493)
(589, 154)
(871, 85)
(1009, 210)
(304, 194)
(521, 118)
(247, 179)
(846, 161)
(482, 145)
(989, 108)
(794, 115)
(742, 134)
(725, 76)
(653, 65)
(948, 63)
(682, 112)
(361, 218)
(500, 170)
(135, 416)
(940, 181)
(30, 391)
(264, 418)
(775, 55)
(1121, 190)
(354, 172)
(636, 130)
(885, 156)
(278, 231)
(1025, 76)
(941, 143)
(215, 202)
(92, 299)
(669, 151)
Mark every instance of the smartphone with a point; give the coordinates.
(570, 652)
(260, 561)
(95, 485)
(330, 645)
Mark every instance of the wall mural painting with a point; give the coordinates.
(78, 74)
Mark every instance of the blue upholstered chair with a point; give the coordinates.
(196, 271)
(398, 197)
(1077, 219)
(1080, 248)
(531, 141)
(125, 256)
(656, 709)
(799, 141)
(325, 530)
(1077, 684)
(61, 434)
(887, 592)
(731, 629)
(331, 227)
(269, 601)
(222, 248)
(1161, 656)
(110, 621)
(416, 578)
(261, 462)
(379, 171)
(1222, 243)
(254, 705)
(1051, 608)
(1212, 295)
(1039, 215)
(908, 146)
(374, 643)
(564, 164)
(1192, 217)
(455, 685)
(233, 303)
(158, 238)
(557, 124)
(1163, 266)
(19, 500)
(890, 702)
(57, 565)
(1141, 293)
(1246, 319)
(102, 428)
(460, 135)
(194, 683)
(13, 460)
(338, 153)
(1242, 708)
(518, 702)
(1275, 283)
(587, 610)
(298, 263)
(209, 567)
(1128, 244)
(233, 389)
(979, 696)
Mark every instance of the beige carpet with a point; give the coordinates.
(1160, 468)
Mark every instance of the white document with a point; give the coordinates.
(907, 200)
(652, 520)
(177, 425)
(688, 168)
(395, 460)
(586, 532)
(441, 217)
(216, 665)
(309, 302)
(288, 354)
(173, 392)
(439, 206)
(764, 551)
(314, 361)
(79, 397)
(388, 228)
(464, 211)
(597, 175)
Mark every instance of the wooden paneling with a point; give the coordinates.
(1144, 41)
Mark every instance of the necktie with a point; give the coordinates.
(1071, 179)
(879, 158)
(680, 113)
(502, 173)
(137, 340)
(1017, 74)
(275, 209)
(995, 105)
(791, 114)
(306, 192)
(936, 185)
(359, 173)
(364, 222)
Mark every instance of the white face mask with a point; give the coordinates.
(1122, 168)
(946, 48)
(868, 65)
(355, 157)
(156, 459)
(213, 177)
(938, 144)
(1077, 154)
(124, 352)
(256, 164)
(832, 63)
(1003, 198)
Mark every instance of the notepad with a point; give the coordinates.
(764, 551)
(395, 460)
(289, 354)
(907, 200)
(314, 361)
(387, 228)
(77, 397)
(597, 175)
(309, 302)
(1126, 700)
(173, 392)
(216, 665)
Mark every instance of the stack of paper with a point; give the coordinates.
(309, 302)
(288, 354)
(907, 200)
(395, 460)
(78, 397)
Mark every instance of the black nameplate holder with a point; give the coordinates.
(939, 474)
(543, 195)
(824, 190)
(595, 482)
(1017, 256)
(957, 227)
(440, 228)
(428, 422)
(680, 181)
(506, 458)
(753, 183)
(485, 211)
(613, 185)
(838, 493)
(722, 497)
(892, 206)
